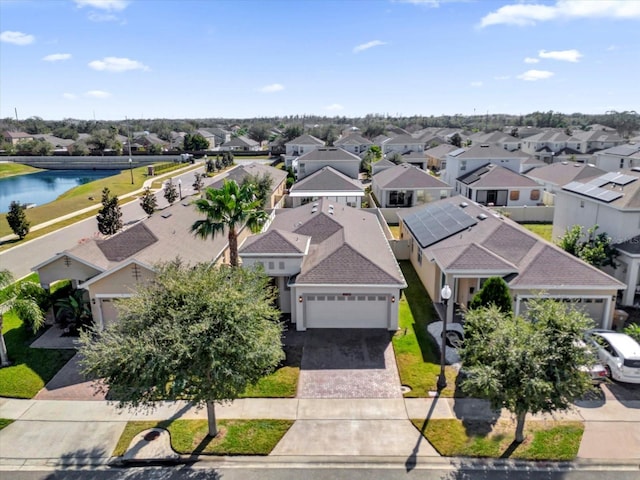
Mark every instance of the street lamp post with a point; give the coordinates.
(445, 293)
(180, 187)
(131, 170)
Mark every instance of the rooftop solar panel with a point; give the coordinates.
(437, 222)
(592, 191)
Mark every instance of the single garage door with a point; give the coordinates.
(109, 312)
(347, 311)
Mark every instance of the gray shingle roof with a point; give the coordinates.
(564, 172)
(348, 246)
(630, 198)
(328, 154)
(490, 152)
(327, 179)
(540, 264)
(275, 241)
(496, 176)
(241, 172)
(305, 139)
(353, 139)
(406, 176)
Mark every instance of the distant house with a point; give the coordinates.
(402, 144)
(493, 185)
(240, 144)
(381, 165)
(436, 156)
(241, 172)
(459, 243)
(611, 201)
(337, 158)
(302, 144)
(464, 160)
(618, 158)
(417, 159)
(353, 143)
(406, 185)
(60, 145)
(332, 265)
(504, 140)
(330, 184)
(552, 177)
(14, 137)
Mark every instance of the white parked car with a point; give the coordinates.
(618, 352)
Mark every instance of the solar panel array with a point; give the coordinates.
(592, 191)
(437, 222)
(613, 177)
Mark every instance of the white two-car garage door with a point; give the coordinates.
(346, 311)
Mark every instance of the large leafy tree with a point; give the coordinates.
(110, 215)
(528, 364)
(259, 132)
(494, 291)
(26, 299)
(105, 139)
(592, 247)
(199, 333)
(195, 142)
(17, 219)
(229, 207)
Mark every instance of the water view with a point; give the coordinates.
(43, 187)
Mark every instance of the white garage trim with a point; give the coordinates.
(99, 298)
(338, 310)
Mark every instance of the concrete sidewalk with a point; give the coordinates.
(50, 430)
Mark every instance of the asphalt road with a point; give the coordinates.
(19, 260)
(314, 471)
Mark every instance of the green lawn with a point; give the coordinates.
(32, 368)
(11, 169)
(416, 353)
(542, 229)
(283, 383)
(544, 440)
(4, 422)
(235, 437)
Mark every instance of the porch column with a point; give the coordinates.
(607, 320)
(631, 281)
(449, 280)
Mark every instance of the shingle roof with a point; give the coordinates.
(128, 243)
(631, 245)
(564, 172)
(327, 179)
(240, 172)
(403, 139)
(406, 176)
(440, 152)
(496, 176)
(305, 139)
(348, 246)
(490, 152)
(240, 142)
(475, 257)
(328, 154)
(353, 139)
(630, 198)
(275, 241)
(540, 264)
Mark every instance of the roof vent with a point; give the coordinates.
(315, 204)
(484, 145)
(166, 215)
(464, 205)
(481, 216)
(314, 209)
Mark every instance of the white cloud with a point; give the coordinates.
(109, 5)
(69, 96)
(334, 107)
(531, 60)
(563, 55)
(523, 14)
(116, 64)
(502, 77)
(17, 38)
(533, 75)
(274, 87)
(611, 48)
(102, 17)
(57, 57)
(476, 84)
(97, 94)
(366, 46)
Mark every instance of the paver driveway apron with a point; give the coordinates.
(348, 363)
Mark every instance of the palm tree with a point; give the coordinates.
(22, 298)
(229, 207)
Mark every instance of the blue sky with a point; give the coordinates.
(112, 59)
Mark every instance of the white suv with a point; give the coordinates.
(618, 352)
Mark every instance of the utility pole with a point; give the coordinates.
(129, 145)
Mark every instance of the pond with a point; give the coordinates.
(43, 187)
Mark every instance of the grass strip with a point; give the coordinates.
(544, 440)
(416, 352)
(5, 422)
(235, 437)
(11, 169)
(543, 230)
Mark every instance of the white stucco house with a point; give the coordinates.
(493, 185)
(354, 143)
(332, 265)
(460, 243)
(330, 184)
(618, 158)
(406, 185)
(611, 201)
(334, 157)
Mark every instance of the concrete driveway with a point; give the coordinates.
(348, 363)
